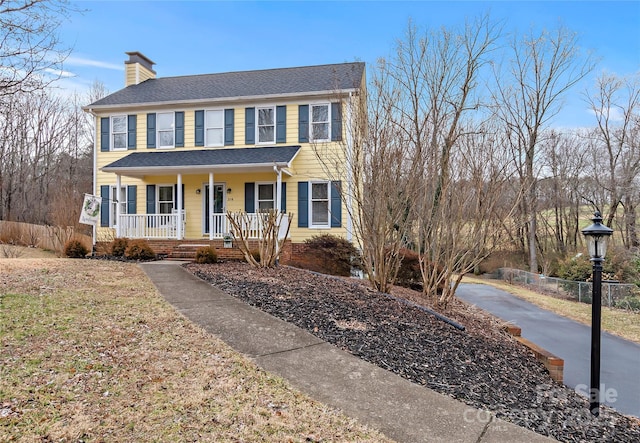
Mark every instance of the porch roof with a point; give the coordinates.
(138, 164)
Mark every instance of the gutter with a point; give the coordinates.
(95, 170)
(203, 101)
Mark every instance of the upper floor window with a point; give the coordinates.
(165, 128)
(118, 132)
(266, 126)
(320, 122)
(214, 127)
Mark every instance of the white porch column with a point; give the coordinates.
(179, 232)
(210, 214)
(117, 214)
(278, 190)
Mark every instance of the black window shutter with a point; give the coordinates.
(336, 204)
(303, 204)
(199, 128)
(151, 130)
(336, 122)
(303, 123)
(131, 199)
(131, 131)
(281, 124)
(228, 127)
(283, 198)
(104, 206)
(249, 126)
(104, 134)
(250, 198)
(151, 199)
(179, 124)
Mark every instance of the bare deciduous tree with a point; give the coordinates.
(272, 229)
(543, 68)
(31, 53)
(616, 106)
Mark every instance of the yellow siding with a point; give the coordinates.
(305, 167)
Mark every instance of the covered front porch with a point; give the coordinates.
(173, 226)
(189, 193)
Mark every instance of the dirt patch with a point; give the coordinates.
(481, 366)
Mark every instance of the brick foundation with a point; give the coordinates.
(185, 249)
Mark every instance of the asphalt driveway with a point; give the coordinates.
(571, 341)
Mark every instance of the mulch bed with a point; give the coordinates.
(481, 366)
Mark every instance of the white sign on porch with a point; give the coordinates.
(90, 212)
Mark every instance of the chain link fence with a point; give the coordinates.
(614, 294)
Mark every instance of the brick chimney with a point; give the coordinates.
(137, 69)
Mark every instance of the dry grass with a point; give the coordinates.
(13, 251)
(625, 324)
(90, 352)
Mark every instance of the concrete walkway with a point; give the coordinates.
(571, 341)
(404, 411)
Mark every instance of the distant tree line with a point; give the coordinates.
(45, 137)
(461, 157)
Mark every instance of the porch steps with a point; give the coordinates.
(185, 251)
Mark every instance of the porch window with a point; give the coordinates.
(165, 127)
(117, 199)
(165, 199)
(266, 125)
(266, 196)
(214, 127)
(118, 132)
(320, 204)
(320, 122)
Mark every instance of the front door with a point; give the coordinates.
(219, 221)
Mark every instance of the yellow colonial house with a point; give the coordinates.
(174, 154)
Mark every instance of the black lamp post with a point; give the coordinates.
(597, 238)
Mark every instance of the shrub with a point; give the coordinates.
(139, 250)
(630, 303)
(75, 249)
(330, 254)
(409, 275)
(206, 254)
(119, 246)
(255, 253)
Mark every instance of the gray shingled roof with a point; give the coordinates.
(308, 79)
(204, 158)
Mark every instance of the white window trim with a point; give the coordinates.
(206, 141)
(112, 203)
(257, 195)
(112, 133)
(173, 196)
(257, 120)
(328, 105)
(310, 210)
(173, 126)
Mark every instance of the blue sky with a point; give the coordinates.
(197, 37)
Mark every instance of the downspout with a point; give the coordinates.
(349, 177)
(95, 174)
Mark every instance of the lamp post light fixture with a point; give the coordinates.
(597, 238)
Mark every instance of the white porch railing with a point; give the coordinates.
(151, 225)
(164, 226)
